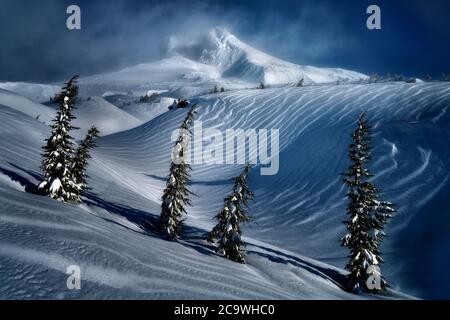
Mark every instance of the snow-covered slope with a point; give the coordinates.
(17, 102)
(119, 261)
(301, 208)
(172, 73)
(235, 58)
(34, 91)
(297, 212)
(112, 236)
(148, 110)
(105, 116)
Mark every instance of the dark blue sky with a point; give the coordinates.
(36, 46)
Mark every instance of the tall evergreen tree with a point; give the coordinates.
(176, 194)
(82, 155)
(227, 232)
(59, 182)
(367, 216)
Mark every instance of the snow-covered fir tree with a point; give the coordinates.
(367, 216)
(82, 155)
(59, 182)
(176, 194)
(227, 232)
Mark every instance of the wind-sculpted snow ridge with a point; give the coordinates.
(112, 236)
(301, 207)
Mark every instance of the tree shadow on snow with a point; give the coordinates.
(30, 187)
(33, 174)
(149, 223)
(329, 274)
(144, 220)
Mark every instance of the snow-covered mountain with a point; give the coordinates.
(235, 58)
(215, 57)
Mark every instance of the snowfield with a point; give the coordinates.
(292, 242)
(297, 212)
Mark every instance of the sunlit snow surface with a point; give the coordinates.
(297, 213)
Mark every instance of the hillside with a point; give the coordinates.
(297, 212)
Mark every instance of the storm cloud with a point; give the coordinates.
(35, 44)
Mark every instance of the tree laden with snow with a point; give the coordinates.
(227, 232)
(176, 194)
(367, 216)
(82, 155)
(59, 182)
(70, 90)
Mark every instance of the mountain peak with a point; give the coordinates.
(220, 32)
(236, 59)
(195, 46)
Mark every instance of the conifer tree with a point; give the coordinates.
(59, 182)
(176, 194)
(367, 216)
(80, 161)
(227, 232)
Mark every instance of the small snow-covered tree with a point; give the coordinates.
(227, 232)
(374, 78)
(59, 182)
(70, 90)
(176, 194)
(367, 216)
(82, 155)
